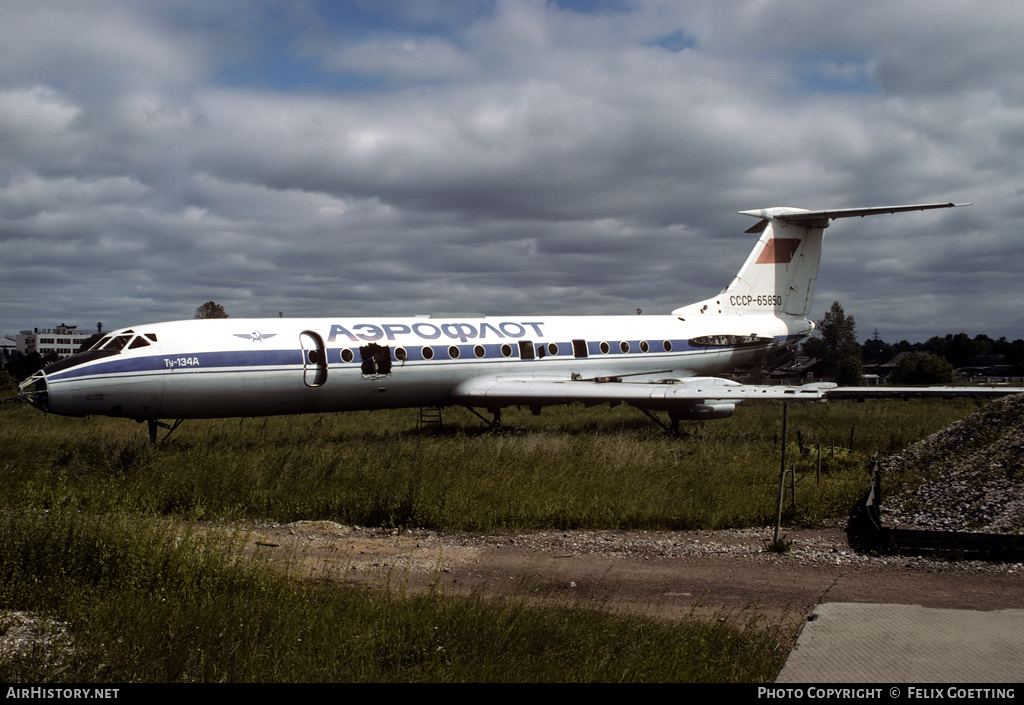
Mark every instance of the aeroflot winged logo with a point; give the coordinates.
(255, 336)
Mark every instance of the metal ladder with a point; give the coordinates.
(430, 416)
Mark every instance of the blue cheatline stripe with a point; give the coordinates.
(226, 360)
(206, 360)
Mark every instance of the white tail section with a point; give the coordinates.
(779, 274)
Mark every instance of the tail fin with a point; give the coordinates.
(779, 274)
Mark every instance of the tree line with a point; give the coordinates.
(934, 361)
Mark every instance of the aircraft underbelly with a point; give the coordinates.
(223, 393)
(133, 397)
(284, 391)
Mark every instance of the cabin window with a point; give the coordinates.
(506, 350)
(347, 355)
(624, 346)
(453, 352)
(644, 347)
(479, 351)
(428, 352)
(605, 348)
(401, 355)
(553, 348)
(667, 345)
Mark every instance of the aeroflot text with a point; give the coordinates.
(428, 331)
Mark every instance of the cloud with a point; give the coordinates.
(323, 158)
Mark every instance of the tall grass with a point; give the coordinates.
(96, 529)
(151, 601)
(572, 468)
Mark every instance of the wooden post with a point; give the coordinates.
(792, 488)
(782, 472)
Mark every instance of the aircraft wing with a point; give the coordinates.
(497, 392)
(919, 392)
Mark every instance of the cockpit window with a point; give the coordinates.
(127, 340)
(117, 343)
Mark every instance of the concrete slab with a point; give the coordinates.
(875, 643)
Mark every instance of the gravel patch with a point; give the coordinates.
(974, 472)
(27, 637)
(810, 547)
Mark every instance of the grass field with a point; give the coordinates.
(96, 532)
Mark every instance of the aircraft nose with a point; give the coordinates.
(33, 390)
(52, 389)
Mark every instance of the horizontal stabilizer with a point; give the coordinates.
(821, 218)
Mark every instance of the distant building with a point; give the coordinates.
(64, 340)
(986, 366)
(796, 369)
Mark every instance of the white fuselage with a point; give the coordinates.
(253, 367)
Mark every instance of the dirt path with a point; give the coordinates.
(665, 574)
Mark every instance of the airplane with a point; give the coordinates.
(219, 368)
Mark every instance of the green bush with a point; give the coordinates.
(922, 368)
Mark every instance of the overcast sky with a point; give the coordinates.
(521, 157)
